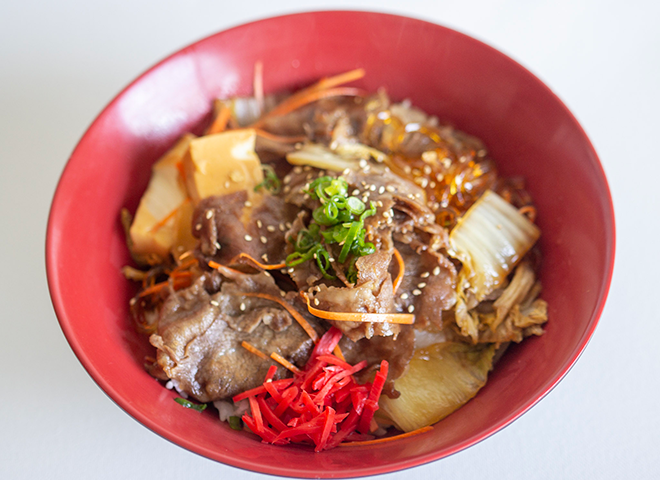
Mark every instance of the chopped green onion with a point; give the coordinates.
(200, 407)
(235, 423)
(355, 205)
(348, 242)
(270, 181)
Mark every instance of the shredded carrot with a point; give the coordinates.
(404, 318)
(256, 262)
(340, 79)
(253, 349)
(181, 170)
(402, 270)
(529, 211)
(295, 102)
(387, 439)
(294, 313)
(167, 217)
(284, 362)
(185, 265)
(219, 125)
(227, 271)
(159, 286)
(338, 354)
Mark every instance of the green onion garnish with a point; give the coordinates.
(235, 423)
(270, 182)
(200, 407)
(338, 220)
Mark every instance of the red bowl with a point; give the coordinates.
(526, 127)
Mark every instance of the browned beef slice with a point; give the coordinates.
(428, 285)
(199, 337)
(229, 225)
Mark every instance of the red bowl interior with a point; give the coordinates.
(526, 127)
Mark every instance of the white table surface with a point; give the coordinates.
(62, 61)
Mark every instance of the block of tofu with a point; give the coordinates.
(222, 163)
(162, 222)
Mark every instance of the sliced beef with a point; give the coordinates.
(229, 225)
(200, 334)
(428, 286)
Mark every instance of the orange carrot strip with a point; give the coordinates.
(220, 123)
(402, 270)
(165, 219)
(294, 313)
(387, 439)
(284, 362)
(224, 270)
(185, 265)
(403, 318)
(338, 354)
(253, 349)
(256, 262)
(340, 79)
(291, 104)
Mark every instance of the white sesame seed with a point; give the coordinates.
(270, 228)
(316, 302)
(346, 171)
(242, 307)
(306, 168)
(404, 296)
(387, 214)
(209, 214)
(407, 169)
(287, 188)
(290, 270)
(227, 184)
(259, 224)
(287, 179)
(427, 169)
(362, 163)
(331, 260)
(436, 271)
(198, 226)
(421, 285)
(355, 192)
(416, 172)
(425, 274)
(281, 226)
(379, 203)
(381, 190)
(416, 292)
(390, 189)
(411, 309)
(297, 170)
(439, 177)
(263, 239)
(248, 203)
(288, 224)
(132, 301)
(282, 293)
(248, 238)
(411, 196)
(264, 257)
(372, 188)
(215, 303)
(217, 245)
(432, 184)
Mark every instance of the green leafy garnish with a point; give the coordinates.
(338, 220)
(200, 407)
(271, 183)
(235, 423)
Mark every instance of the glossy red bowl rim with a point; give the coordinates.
(69, 332)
